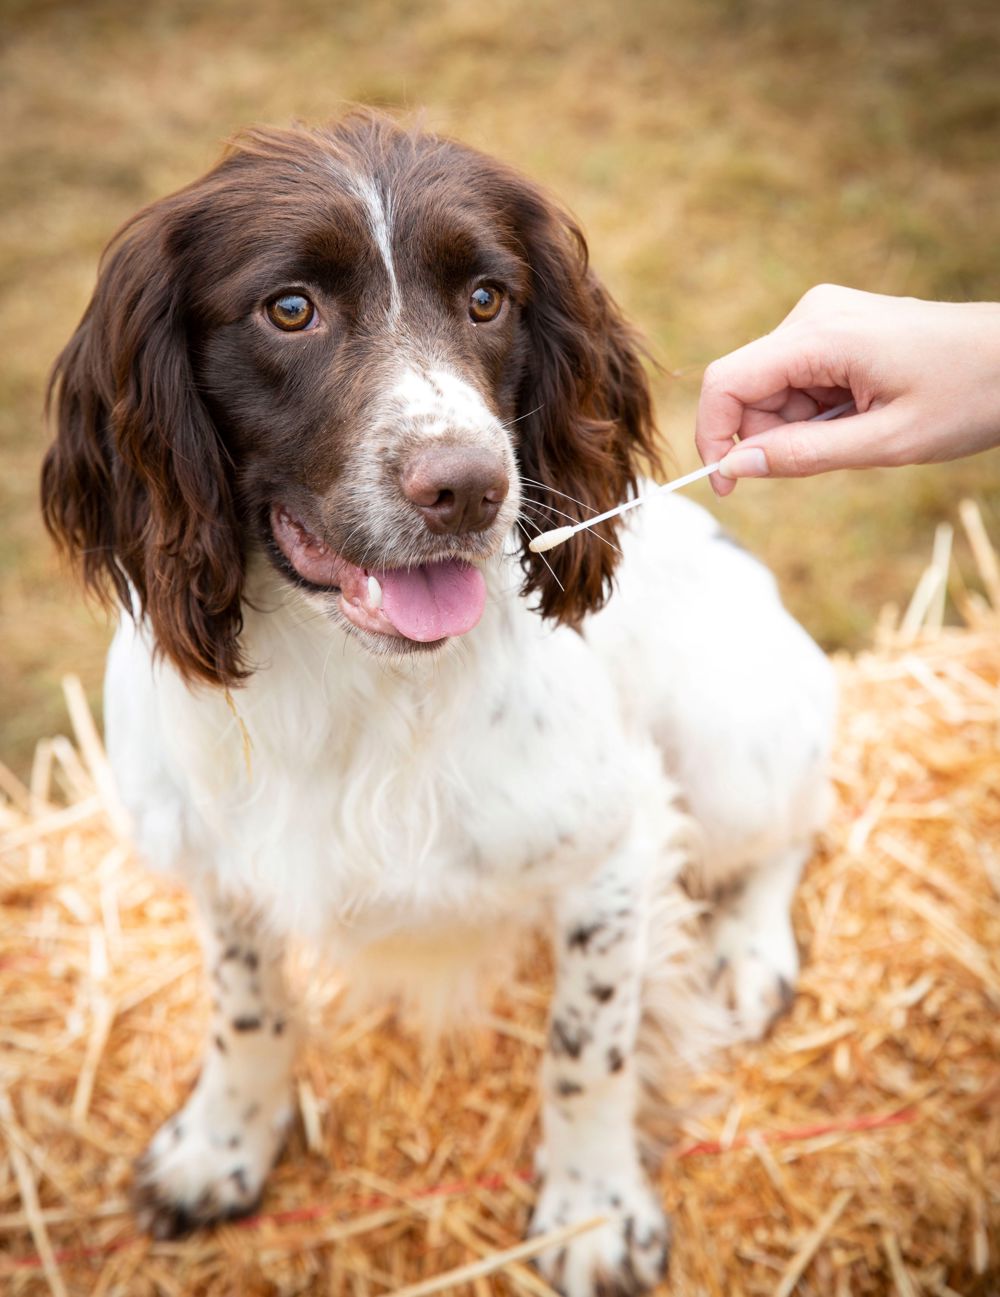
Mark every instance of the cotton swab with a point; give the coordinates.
(550, 539)
(558, 535)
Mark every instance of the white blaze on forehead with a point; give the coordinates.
(378, 216)
(378, 209)
(442, 399)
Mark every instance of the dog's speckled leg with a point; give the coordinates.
(590, 1156)
(210, 1160)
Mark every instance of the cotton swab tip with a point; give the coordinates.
(550, 539)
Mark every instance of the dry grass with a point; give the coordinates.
(857, 1151)
(723, 157)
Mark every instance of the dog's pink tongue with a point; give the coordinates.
(433, 601)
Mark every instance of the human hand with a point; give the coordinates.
(924, 377)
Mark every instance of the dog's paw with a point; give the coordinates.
(195, 1171)
(755, 971)
(624, 1257)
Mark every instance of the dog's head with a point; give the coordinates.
(370, 353)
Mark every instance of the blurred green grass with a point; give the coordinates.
(723, 155)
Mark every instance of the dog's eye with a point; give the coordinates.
(485, 303)
(291, 312)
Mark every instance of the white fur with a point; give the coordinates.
(441, 403)
(734, 692)
(373, 806)
(378, 211)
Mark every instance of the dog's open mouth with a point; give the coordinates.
(432, 602)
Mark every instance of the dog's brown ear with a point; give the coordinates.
(586, 430)
(136, 487)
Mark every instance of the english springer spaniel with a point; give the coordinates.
(319, 403)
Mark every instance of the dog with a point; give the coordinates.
(319, 403)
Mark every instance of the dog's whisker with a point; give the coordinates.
(538, 508)
(528, 504)
(565, 495)
(542, 556)
(527, 415)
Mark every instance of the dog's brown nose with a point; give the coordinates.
(456, 489)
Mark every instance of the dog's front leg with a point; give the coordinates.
(210, 1160)
(590, 1156)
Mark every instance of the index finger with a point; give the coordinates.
(758, 375)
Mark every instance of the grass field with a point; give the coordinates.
(723, 156)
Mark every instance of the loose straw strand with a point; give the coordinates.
(29, 1200)
(499, 1260)
(811, 1245)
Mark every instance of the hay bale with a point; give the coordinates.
(856, 1151)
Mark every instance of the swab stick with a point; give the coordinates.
(550, 539)
(835, 413)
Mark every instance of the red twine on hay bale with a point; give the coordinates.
(300, 1215)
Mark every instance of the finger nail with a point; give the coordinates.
(744, 461)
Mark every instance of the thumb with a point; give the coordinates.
(802, 449)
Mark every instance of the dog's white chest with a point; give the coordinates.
(371, 804)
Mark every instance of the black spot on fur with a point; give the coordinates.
(279, 1027)
(581, 936)
(231, 952)
(616, 1059)
(220, 1044)
(251, 960)
(247, 1023)
(567, 1089)
(239, 1178)
(602, 994)
(566, 1039)
(652, 1235)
